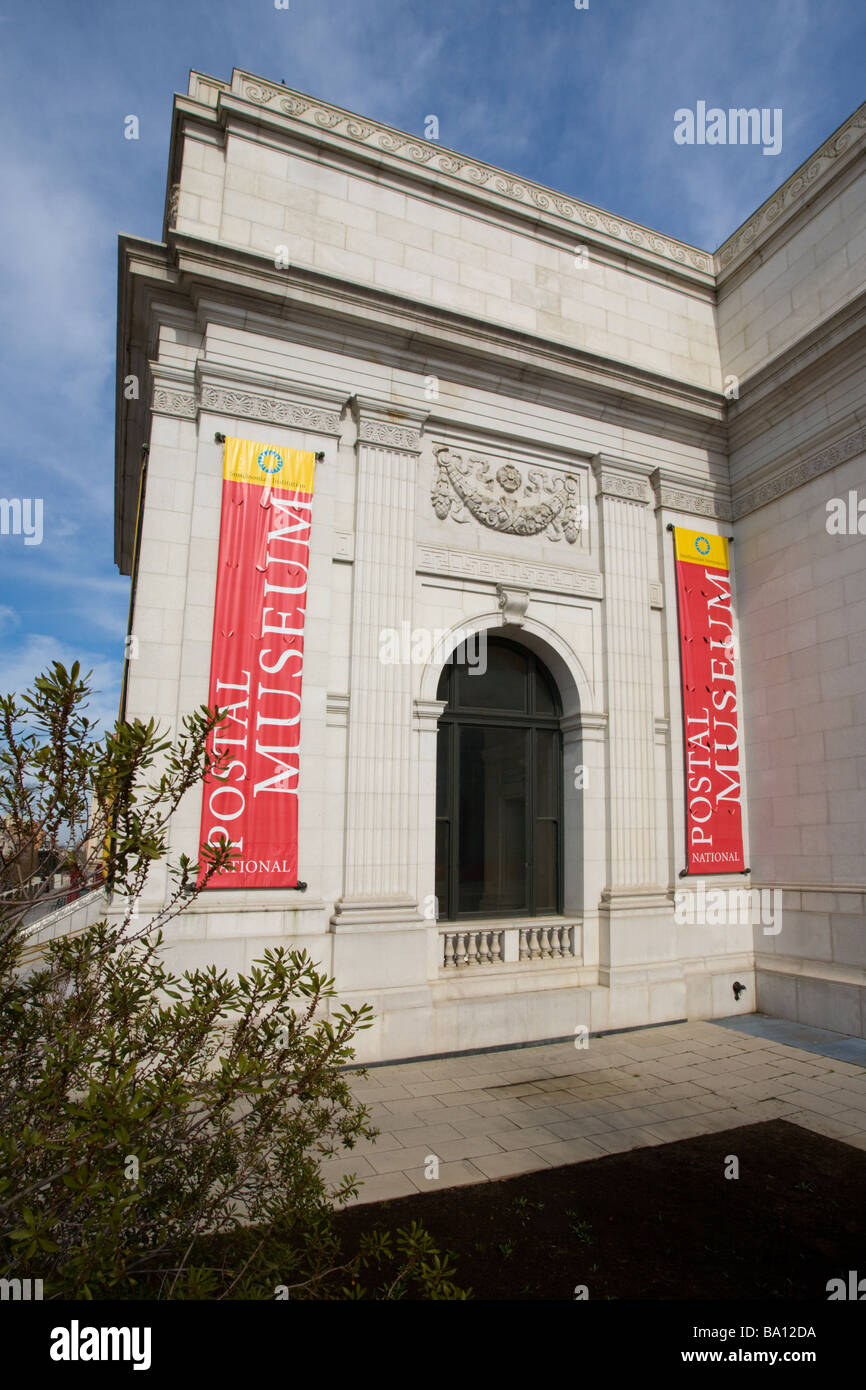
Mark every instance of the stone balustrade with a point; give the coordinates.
(506, 945)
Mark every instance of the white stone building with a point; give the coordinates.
(464, 346)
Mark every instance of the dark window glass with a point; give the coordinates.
(545, 696)
(546, 865)
(492, 853)
(498, 788)
(548, 772)
(497, 683)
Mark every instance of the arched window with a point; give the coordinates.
(498, 787)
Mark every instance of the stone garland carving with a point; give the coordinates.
(791, 192)
(252, 407)
(804, 472)
(465, 488)
(521, 191)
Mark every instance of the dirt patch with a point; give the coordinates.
(655, 1223)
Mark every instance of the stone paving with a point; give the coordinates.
(495, 1114)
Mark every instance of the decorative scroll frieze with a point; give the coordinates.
(173, 203)
(515, 502)
(800, 473)
(388, 436)
(249, 406)
(457, 564)
(795, 191)
(421, 152)
(172, 402)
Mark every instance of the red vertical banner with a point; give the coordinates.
(714, 821)
(257, 662)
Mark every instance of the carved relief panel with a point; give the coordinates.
(518, 500)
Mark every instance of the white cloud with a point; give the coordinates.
(8, 618)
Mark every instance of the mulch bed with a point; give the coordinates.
(654, 1223)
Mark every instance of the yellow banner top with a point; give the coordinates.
(701, 548)
(249, 461)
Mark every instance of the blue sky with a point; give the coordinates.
(580, 100)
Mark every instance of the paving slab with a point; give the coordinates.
(487, 1116)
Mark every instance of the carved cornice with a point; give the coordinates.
(514, 501)
(223, 400)
(168, 400)
(492, 569)
(387, 427)
(389, 436)
(682, 497)
(471, 173)
(182, 400)
(798, 187)
(800, 473)
(616, 485)
(623, 480)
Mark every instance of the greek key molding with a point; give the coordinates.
(465, 489)
(468, 171)
(458, 564)
(169, 402)
(791, 193)
(249, 406)
(379, 432)
(800, 473)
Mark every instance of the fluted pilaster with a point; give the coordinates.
(623, 498)
(380, 868)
